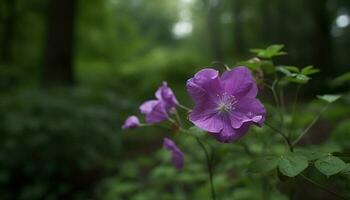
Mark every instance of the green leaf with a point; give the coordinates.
(253, 64)
(293, 69)
(330, 98)
(284, 70)
(340, 80)
(312, 154)
(269, 52)
(330, 165)
(267, 66)
(346, 170)
(196, 131)
(308, 70)
(292, 164)
(263, 164)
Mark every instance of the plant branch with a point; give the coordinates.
(209, 166)
(293, 111)
(310, 125)
(285, 137)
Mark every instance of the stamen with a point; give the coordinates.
(227, 102)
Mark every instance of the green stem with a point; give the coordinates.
(184, 107)
(293, 111)
(178, 118)
(285, 137)
(209, 166)
(321, 186)
(310, 126)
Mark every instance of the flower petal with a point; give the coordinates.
(206, 118)
(154, 111)
(204, 85)
(248, 109)
(131, 122)
(166, 95)
(177, 157)
(239, 82)
(229, 134)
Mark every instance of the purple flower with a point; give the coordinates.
(131, 122)
(156, 110)
(225, 106)
(177, 157)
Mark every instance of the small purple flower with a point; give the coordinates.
(225, 106)
(177, 157)
(131, 122)
(157, 110)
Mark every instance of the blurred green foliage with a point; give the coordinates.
(66, 143)
(57, 143)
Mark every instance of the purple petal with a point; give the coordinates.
(239, 82)
(166, 95)
(154, 111)
(204, 85)
(177, 157)
(206, 119)
(248, 110)
(131, 122)
(229, 134)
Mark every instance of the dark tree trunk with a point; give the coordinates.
(238, 40)
(322, 51)
(58, 63)
(8, 27)
(213, 25)
(266, 19)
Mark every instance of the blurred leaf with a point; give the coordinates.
(284, 70)
(330, 165)
(293, 69)
(292, 164)
(267, 66)
(340, 80)
(346, 170)
(253, 64)
(269, 52)
(196, 131)
(308, 70)
(312, 154)
(263, 164)
(330, 98)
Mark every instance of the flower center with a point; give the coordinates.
(227, 103)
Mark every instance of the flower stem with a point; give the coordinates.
(277, 100)
(285, 137)
(310, 125)
(209, 166)
(184, 107)
(321, 186)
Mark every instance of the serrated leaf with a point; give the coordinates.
(263, 164)
(330, 165)
(330, 98)
(292, 164)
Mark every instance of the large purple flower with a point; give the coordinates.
(177, 157)
(157, 110)
(225, 106)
